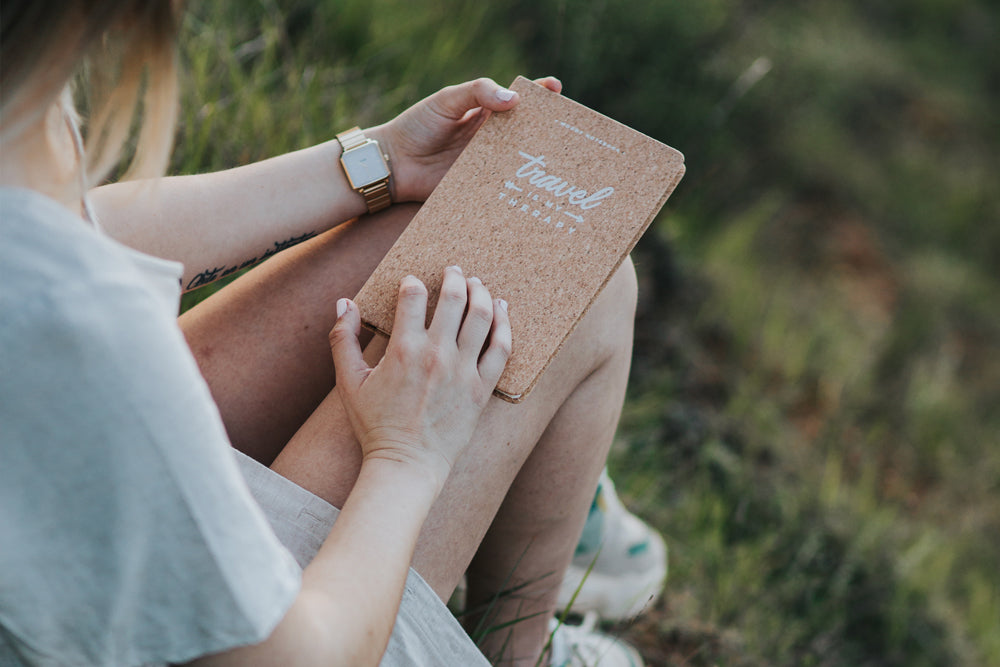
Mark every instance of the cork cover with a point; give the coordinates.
(543, 205)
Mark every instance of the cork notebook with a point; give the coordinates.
(543, 205)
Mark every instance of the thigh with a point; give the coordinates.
(261, 342)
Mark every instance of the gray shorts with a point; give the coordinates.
(426, 634)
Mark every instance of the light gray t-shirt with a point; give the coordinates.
(127, 534)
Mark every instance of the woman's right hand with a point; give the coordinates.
(420, 404)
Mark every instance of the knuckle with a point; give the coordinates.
(479, 392)
(404, 349)
(503, 341)
(338, 334)
(412, 289)
(453, 294)
(481, 311)
(435, 360)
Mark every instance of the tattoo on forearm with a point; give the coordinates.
(211, 275)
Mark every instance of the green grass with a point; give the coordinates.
(812, 418)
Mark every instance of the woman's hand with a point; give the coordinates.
(423, 141)
(420, 404)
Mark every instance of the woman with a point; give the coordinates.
(130, 533)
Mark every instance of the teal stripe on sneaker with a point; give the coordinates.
(638, 548)
(593, 529)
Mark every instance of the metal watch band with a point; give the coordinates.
(377, 194)
(351, 138)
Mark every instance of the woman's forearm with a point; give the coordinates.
(351, 591)
(363, 565)
(220, 222)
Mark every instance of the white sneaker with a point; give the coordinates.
(626, 559)
(582, 646)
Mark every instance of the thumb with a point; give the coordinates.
(347, 358)
(454, 101)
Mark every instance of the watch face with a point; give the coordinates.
(364, 165)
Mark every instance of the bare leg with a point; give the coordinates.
(261, 342)
(530, 472)
(537, 462)
(531, 540)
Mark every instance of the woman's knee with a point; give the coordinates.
(606, 330)
(624, 285)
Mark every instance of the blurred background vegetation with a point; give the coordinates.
(814, 414)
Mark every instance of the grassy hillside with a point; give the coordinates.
(813, 420)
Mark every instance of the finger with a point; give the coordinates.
(550, 82)
(494, 359)
(411, 307)
(477, 323)
(450, 305)
(455, 101)
(348, 362)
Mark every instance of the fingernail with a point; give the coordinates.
(503, 304)
(456, 268)
(341, 307)
(474, 279)
(504, 94)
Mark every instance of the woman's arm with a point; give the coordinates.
(220, 222)
(413, 414)
(351, 591)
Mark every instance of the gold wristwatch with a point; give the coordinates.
(366, 167)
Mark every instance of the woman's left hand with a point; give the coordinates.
(423, 141)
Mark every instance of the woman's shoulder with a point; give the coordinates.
(45, 245)
(113, 444)
(49, 254)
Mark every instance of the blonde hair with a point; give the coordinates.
(124, 55)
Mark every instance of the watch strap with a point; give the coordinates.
(376, 195)
(351, 138)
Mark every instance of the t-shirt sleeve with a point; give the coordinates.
(127, 535)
